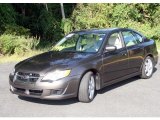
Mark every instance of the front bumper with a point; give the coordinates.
(61, 89)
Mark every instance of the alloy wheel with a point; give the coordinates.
(148, 67)
(91, 87)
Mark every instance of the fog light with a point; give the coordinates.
(57, 92)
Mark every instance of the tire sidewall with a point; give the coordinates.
(84, 85)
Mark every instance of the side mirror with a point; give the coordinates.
(110, 48)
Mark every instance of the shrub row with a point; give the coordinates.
(12, 44)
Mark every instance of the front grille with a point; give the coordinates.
(21, 78)
(30, 74)
(27, 77)
(35, 92)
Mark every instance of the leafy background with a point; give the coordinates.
(37, 27)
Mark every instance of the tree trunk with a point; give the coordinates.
(62, 11)
(46, 6)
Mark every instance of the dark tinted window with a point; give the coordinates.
(129, 38)
(138, 37)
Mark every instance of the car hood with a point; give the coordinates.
(51, 60)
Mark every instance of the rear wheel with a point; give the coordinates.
(87, 88)
(147, 68)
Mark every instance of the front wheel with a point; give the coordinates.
(147, 68)
(87, 88)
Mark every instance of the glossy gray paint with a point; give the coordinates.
(110, 67)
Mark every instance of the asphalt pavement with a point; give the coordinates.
(133, 97)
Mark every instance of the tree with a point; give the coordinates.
(62, 11)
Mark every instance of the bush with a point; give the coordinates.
(86, 16)
(16, 30)
(12, 44)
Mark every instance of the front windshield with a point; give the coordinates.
(87, 42)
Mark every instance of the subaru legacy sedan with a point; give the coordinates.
(83, 62)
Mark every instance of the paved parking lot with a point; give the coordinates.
(133, 97)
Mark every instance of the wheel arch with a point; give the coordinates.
(97, 77)
(150, 55)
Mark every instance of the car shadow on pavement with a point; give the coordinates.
(75, 100)
(49, 102)
(121, 83)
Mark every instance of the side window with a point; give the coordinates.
(129, 38)
(138, 37)
(90, 42)
(115, 40)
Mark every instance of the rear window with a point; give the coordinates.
(129, 38)
(138, 37)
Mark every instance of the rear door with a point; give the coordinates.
(133, 42)
(115, 63)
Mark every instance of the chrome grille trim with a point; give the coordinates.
(27, 77)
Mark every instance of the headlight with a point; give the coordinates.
(55, 75)
(12, 72)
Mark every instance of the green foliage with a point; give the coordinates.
(7, 16)
(67, 26)
(43, 23)
(22, 24)
(87, 16)
(16, 30)
(158, 45)
(47, 25)
(142, 17)
(12, 44)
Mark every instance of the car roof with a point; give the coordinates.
(96, 30)
(104, 30)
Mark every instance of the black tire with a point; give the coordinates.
(83, 95)
(143, 73)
